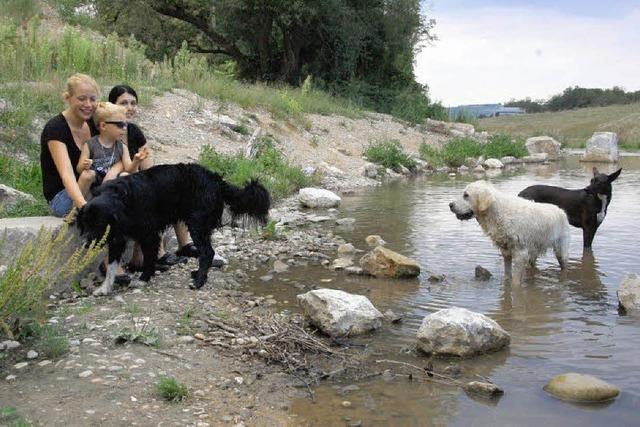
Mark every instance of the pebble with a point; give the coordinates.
(85, 374)
(21, 365)
(199, 336)
(346, 404)
(11, 377)
(32, 354)
(44, 363)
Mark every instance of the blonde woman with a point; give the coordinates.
(61, 143)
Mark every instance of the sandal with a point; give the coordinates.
(171, 259)
(122, 279)
(188, 250)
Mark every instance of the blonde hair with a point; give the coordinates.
(106, 110)
(77, 79)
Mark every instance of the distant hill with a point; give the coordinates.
(574, 127)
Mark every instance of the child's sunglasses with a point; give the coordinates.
(119, 124)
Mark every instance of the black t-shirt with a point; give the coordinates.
(135, 139)
(57, 129)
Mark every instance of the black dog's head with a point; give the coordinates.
(94, 218)
(601, 182)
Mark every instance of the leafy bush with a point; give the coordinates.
(390, 155)
(504, 145)
(170, 389)
(33, 271)
(456, 151)
(273, 171)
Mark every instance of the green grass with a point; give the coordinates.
(389, 154)
(26, 178)
(270, 167)
(171, 390)
(458, 150)
(9, 416)
(51, 342)
(574, 127)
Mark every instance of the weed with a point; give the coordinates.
(171, 390)
(83, 309)
(270, 231)
(390, 155)
(141, 332)
(186, 321)
(50, 339)
(34, 270)
(75, 286)
(242, 127)
(132, 308)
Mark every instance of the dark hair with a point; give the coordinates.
(119, 90)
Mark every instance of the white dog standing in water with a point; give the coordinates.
(521, 229)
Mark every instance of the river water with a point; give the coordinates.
(557, 324)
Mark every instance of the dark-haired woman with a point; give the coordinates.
(127, 97)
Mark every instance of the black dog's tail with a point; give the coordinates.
(252, 201)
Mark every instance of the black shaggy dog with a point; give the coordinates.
(585, 208)
(140, 206)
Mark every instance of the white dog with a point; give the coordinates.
(521, 229)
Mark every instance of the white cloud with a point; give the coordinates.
(495, 54)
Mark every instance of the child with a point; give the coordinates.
(104, 156)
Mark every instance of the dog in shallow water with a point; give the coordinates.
(140, 206)
(521, 229)
(585, 208)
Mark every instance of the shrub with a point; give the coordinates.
(504, 145)
(390, 155)
(170, 389)
(456, 151)
(50, 339)
(33, 271)
(273, 171)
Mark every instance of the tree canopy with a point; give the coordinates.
(362, 49)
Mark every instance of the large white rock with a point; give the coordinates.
(318, 198)
(543, 144)
(629, 293)
(338, 313)
(580, 388)
(602, 147)
(460, 332)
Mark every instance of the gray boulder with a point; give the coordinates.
(460, 332)
(370, 170)
(10, 196)
(629, 293)
(602, 147)
(580, 388)
(543, 144)
(466, 128)
(318, 198)
(338, 313)
(493, 164)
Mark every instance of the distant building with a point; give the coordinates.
(484, 110)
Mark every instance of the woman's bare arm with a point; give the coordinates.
(85, 162)
(61, 159)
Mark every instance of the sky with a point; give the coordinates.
(495, 50)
